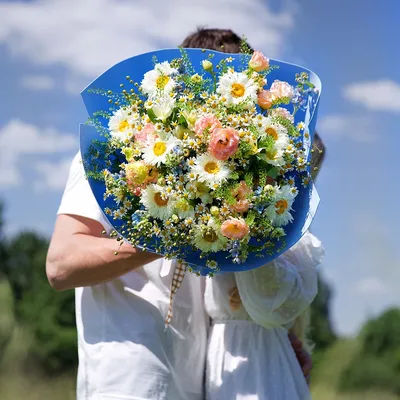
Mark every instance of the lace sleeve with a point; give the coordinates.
(275, 294)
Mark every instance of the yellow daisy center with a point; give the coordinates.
(210, 236)
(123, 125)
(159, 148)
(272, 132)
(211, 167)
(162, 81)
(159, 200)
(237, 90)
(281, 206)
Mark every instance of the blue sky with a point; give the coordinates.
(50, 50)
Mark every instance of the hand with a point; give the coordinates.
(303, 357)
(234, 299)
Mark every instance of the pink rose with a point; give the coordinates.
(241, 206)
(224, 143)
(142, 136)
(235, 228)
(281, 90)
(152, 176)
(258, 62)
(209, 122)
(265, 99)
(280, 111)
(240, 194)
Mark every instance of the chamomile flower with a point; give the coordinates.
(237, 87)
(290, 181)
(120, 124)
(156, 202)
(274, 130)
(210, 170)
(208, 238)
(294, 191)
(279, 212)
(305, 181)
(156, 151)
(300, 126)
(301, 163)
(159, 80)
(212, 264)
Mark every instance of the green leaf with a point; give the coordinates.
(273, 172)
(152, 116)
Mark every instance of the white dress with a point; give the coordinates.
(249, 354)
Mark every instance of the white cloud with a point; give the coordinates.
(382, 95)
(359, 128)
(38, 82)
(370, 286)
(19, 140)
(53, 174)
(88, 36)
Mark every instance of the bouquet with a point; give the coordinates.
(202, 156)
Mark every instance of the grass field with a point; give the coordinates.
(20, 380)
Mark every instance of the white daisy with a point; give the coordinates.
(159, 80)
(157, 203)
(236, 88)
(208, 238)
(267, 127)
(163, 107)
(279, 211)
(156, 151)
(210, 170)
(120, 124)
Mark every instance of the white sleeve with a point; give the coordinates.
(78, 198)
(275, 294)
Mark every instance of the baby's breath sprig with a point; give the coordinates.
(186, 63)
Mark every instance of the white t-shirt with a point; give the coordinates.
(124, 351)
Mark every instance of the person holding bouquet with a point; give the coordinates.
(122, 298)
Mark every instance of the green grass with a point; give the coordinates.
(6, 315)
(19, 378)
(326, 377)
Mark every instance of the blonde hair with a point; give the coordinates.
(301, 324)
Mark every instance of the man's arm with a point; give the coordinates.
(79, 255)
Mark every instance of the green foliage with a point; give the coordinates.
(321, 332)
(3, 252)
(367, 372)
(378, 362)
(225, 192)
(381, 336)
(47, 314)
